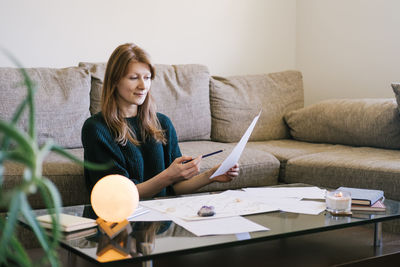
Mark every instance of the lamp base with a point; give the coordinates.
(120, 244)
(113, 229)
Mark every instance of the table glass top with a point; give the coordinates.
(152, 239)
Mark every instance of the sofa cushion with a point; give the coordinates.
(257, 168)
(97, 71)
(65, 174)
(356, 122)
(236, 100)
(396, 90)
(62, 102)
(287, 149)
(363, 167)
(181, 92)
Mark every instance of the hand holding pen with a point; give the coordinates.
(205, 156)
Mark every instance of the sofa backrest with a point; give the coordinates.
(180, 91)
(236, 100)
(355, 122)
(62, 102)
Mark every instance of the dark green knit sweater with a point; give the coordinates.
(138, 163)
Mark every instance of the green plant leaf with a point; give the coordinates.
(39, 232)
(17, 253)
(30, 85)
(26, 143)
(9, 226)
(86, 164)
(18, 156)
(46, 148)
(33, 223)
(15, 118)
(54, 194)
(31, 89)
(52, 200)
(41, 155)
(28, 153)
(1, 176)
(19, 111)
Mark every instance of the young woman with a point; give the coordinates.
(141, 144)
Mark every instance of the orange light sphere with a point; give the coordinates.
(114, 198)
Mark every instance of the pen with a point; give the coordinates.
(205, 156)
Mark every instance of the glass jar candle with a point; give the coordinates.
(338, 202)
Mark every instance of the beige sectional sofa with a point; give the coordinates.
(342, 142)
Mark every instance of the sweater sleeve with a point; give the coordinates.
(171, 148)
(99, 147)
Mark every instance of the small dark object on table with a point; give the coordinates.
(206, 211)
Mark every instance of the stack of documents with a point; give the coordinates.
(230, 205)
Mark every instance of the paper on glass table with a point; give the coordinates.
(289, 201)
(225, 205)
(234, 156)
(138, 211)
(303, 206)
(221, 226)
(143, 214)
(311, 192)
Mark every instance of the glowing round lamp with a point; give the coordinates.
(114, 198)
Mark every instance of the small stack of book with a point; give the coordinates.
(365, 199)
(68, 223)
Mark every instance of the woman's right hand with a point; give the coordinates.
(179, 170)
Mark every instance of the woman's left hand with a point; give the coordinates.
(228, 176)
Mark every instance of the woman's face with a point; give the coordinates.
(132, 89)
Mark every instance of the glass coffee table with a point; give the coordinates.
(150, 240)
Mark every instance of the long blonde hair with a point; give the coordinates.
(116, 69)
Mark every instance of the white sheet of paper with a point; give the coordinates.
(286, 200)
(138, 211)
(243, 236)
(234, 156)
(303, 206)
(225, 205)
(311, 192)
(221, 226)
(148, 215)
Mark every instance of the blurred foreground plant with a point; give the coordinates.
(25, 150)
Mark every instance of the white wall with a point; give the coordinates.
(344, 48)
(229, 36)
(348, 48)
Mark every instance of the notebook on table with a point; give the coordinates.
(365, 197)
(68, 223)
